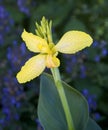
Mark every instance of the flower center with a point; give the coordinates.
(51, 59)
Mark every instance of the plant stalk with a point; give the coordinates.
(60, 89)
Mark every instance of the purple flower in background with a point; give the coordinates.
(6, 22)
(97, 58)
(22, 4)
(104, 51)
(14, 57)
(25, 6)
(101, 50)
(75, 64)
(91, 98)
(11, 96)
(95, 44)
(82, 71)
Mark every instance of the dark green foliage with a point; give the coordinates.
(51, 112)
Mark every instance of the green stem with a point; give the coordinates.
(63, 98)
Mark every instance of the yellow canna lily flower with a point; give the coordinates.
(70, 43)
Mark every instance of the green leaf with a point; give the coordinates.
(50, 110)
(91, 125)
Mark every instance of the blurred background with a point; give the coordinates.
(87, 70)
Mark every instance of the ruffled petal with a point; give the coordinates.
(32, 68)
(52, 61)
(35, 43)
(73, 41)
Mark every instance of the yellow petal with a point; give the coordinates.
(34, 43)
(32, 68)
(52, 61)
(73, 41)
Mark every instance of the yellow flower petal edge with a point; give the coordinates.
(34, 43)
(32, 68)
(73, 41)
